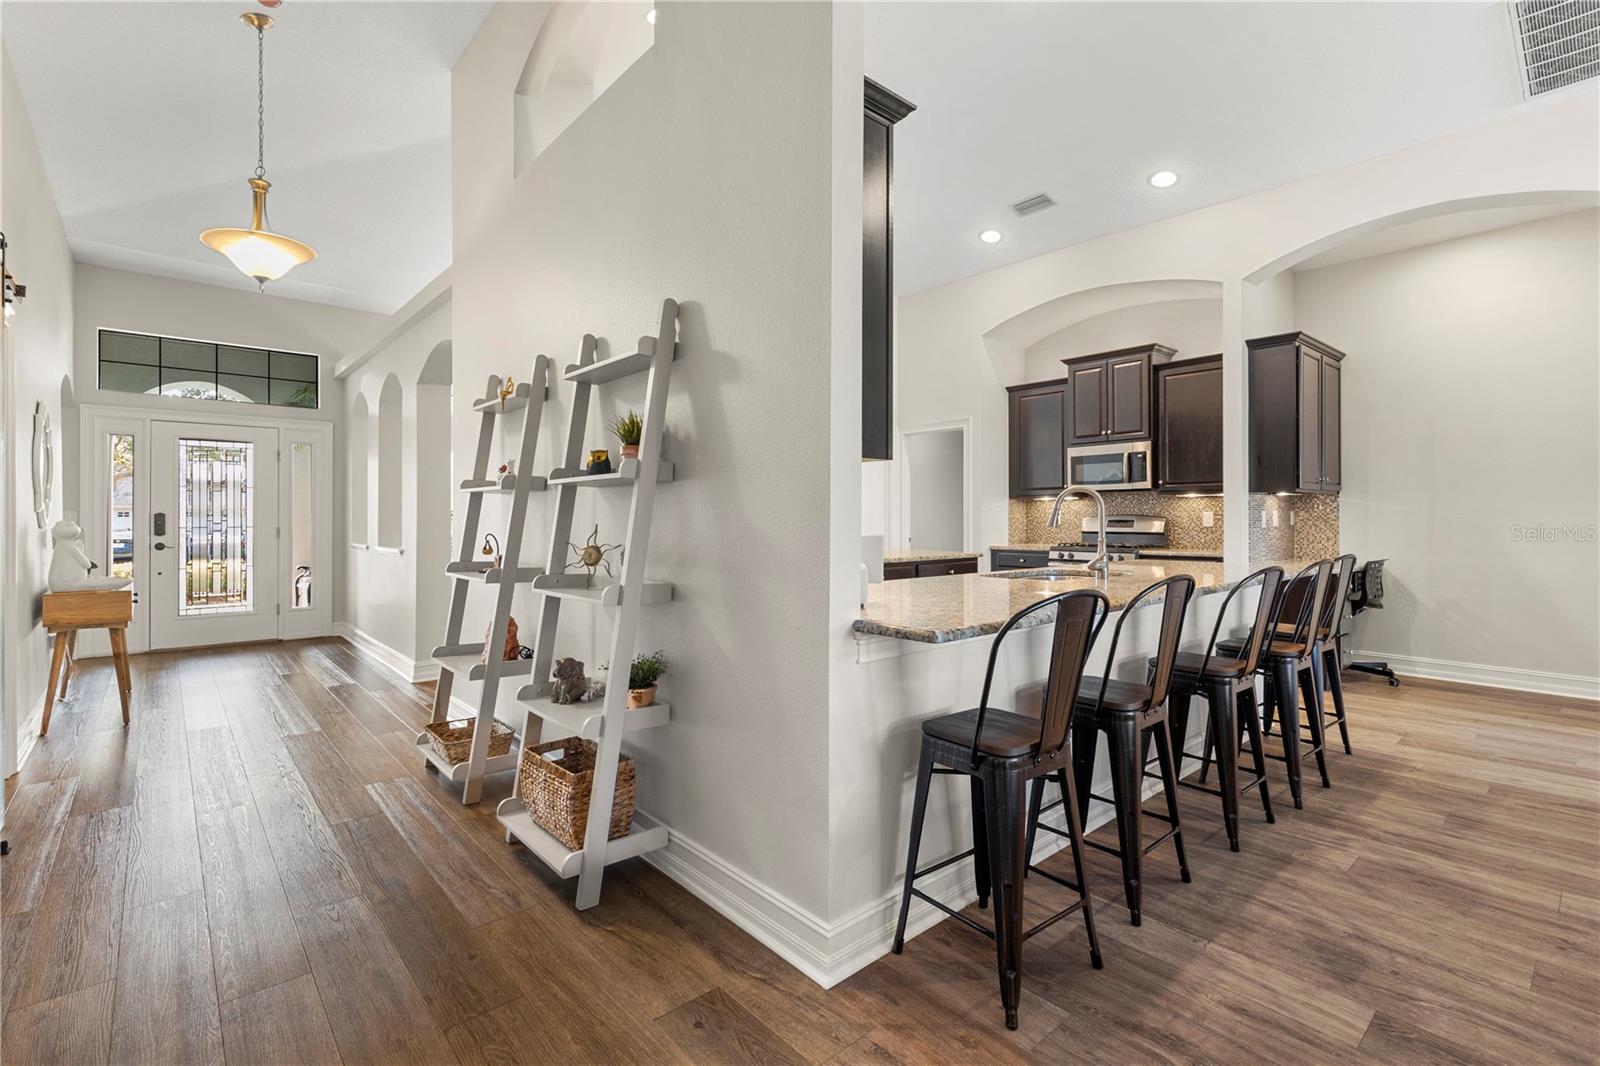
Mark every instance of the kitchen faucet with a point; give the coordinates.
(1101, 562)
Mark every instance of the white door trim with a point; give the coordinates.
(94, 492)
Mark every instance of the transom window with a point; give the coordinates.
(201, 370)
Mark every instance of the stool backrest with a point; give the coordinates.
(1079, 616)
(1271, 578)
(1176, 593)
(1337, 597)
(1301, 598)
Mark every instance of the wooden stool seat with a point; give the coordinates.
(65, 613)
(1005, 735)
(1123, 697)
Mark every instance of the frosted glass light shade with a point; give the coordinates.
(259, 254)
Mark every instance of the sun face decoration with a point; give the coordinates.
(592, 555)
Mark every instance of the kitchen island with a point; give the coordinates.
(919, 649)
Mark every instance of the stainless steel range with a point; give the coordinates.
(1125, 535)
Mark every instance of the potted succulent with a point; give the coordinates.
(647, 668)
(627, 429)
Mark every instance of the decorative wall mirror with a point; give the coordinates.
(44, 463)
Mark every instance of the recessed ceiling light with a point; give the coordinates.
(990, 236)
(1163, 179)
(650, 16)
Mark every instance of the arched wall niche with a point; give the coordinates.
(1007, 342)
(359, 452)
(391, 459)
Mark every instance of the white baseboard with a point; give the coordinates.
(1511, 677)
(401, 665)
(28, 733)
(826, 952)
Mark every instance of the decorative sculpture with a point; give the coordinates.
(593, 555)
(512, 649)
(491, 546)
(71, 567)
(506, 390)
(568, 685)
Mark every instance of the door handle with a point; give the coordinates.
(158, 546)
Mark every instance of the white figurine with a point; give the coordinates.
(70, 566)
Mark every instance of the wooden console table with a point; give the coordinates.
(67, 612)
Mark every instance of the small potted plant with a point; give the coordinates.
(646, 670)
(627, 429)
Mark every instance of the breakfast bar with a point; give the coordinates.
(920, 649)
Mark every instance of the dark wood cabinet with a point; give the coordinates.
(1188, 425)
(1296, 386)
(1038, 426)
(1015, 559)
(945, 567)
(883, 110)
(1110, 393)
(930, 568)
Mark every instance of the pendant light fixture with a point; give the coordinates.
(257, 251)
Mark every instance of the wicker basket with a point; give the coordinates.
(556, 791)
(453, 740)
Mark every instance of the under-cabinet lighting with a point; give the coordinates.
(1164, 179)
(990, 236)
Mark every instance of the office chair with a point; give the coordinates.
(1366, 592)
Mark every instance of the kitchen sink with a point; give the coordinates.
(1055, 573)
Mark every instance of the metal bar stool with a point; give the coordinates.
(1131, 715)
(1225, 681)
(1002, 751)
(1327, 660)
(1289, 664)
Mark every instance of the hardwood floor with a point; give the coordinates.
(259, 870)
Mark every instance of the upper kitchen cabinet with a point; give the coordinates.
(1188, 436)
(1038, 437)
(1295, 396)
(1110, 393)
(883, 110)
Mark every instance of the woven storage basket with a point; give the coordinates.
(556, 792)
(453, 740)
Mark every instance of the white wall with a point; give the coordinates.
(700, 174)
(1471, 410)
(385, 591)
(1193, 327)
(35, 366)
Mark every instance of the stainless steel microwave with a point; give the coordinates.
(1123, 465)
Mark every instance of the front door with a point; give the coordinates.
(213, 534)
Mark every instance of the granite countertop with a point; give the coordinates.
(926, 555)
(939, 610)
(1146, 553)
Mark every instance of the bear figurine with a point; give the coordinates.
(569, 685)
(71, 567)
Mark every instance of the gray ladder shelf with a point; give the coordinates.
(626, 596)
(465, 662)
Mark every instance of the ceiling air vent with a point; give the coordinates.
(1559, 41)
(1042, 201)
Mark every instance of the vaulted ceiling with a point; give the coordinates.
(1084, 101)
(145, 114)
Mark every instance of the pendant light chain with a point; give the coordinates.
(261, 102)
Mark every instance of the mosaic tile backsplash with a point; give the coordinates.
(1030, 518)
(1313, 533)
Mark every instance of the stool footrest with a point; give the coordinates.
(1071, 908)
(957, 915)
(1053, 829)
(1062, 881)
(1162, 839)
(936, 867)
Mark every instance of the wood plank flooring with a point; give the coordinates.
(258, 870)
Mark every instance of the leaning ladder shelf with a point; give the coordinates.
(606, 723)
(465, 662)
